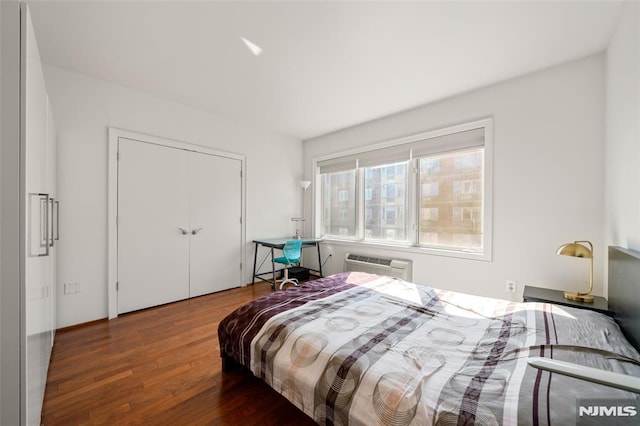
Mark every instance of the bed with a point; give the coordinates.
(361, 349)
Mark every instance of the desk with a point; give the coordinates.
(278, 243)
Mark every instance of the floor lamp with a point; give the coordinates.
(304, 184)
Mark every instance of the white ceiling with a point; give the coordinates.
(324, 65)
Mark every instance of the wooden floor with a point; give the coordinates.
(159, 366)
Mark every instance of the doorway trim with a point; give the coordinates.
(112, 202)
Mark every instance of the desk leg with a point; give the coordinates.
(255, 261)
(273, 268)
(319, 260)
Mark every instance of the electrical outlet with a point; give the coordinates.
(71, 288)
(511, 286)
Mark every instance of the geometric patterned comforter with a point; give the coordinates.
(360, 349)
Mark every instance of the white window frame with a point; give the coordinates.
(412, 198)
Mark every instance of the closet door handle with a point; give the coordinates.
(195, 231)
(52, 224)
(44, 217)
(57, 220)
(183, 231)
(39, 225)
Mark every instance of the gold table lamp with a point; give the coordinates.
(578, 249)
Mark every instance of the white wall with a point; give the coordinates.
(548, 174)
(84, 108)
(622, 159)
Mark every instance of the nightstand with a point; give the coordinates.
(547, 295)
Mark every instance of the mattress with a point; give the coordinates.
(361, 349)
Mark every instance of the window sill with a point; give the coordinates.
(484, 257)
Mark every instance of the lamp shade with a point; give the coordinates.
(575, 250)
(304, 184)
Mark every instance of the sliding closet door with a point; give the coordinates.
(215, 207)
(153, 225)
(38, 166)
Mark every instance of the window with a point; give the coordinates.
(368, 194)
(368, 173)
(457, 213)
(390, 214)
(385, 212)
(390, 191)
(338, 198)
(461, 194)
(466, 213)
(468, 160)
(431, 165)
(467, 186)
(430, 189)
(429, 213)
(429, 192)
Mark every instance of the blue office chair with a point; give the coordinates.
(291, 256)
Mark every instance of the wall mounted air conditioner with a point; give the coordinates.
(399, 268)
